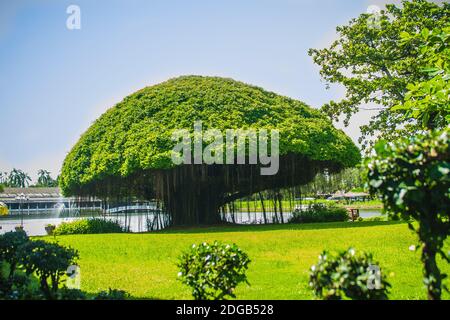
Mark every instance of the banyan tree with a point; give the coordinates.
(128, 152)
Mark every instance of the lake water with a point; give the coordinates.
(34, 224)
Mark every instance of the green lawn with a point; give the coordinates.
(144, 264)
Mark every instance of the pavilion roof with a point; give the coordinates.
(11, 193)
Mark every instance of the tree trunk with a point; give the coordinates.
(190, 209)
(432, 273)
(192, 204)
(263, 207)
(193, 194)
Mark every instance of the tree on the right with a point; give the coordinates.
(412, 174)
(413, 177)
(378, 64)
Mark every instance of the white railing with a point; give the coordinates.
(130, 208)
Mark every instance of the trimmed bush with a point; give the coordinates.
(318, 212)
(49, 261)
(36, 269)
(10, 244)
(348, 275)
(14, 283)
(88, 226)
(213, 270)
(32, 269)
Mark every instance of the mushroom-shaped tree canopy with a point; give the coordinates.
(127, 151)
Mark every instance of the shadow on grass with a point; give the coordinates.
(130, 298)
(90, 296)
(272, 227)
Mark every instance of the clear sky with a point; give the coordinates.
(54, 82)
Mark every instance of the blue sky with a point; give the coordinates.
(54, 82)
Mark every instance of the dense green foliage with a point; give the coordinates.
(16, 179)
(77, 294)
(347, 274)
(86, 226)
(21, 260)
(369, 60)
(45, 179)
(329, 183)
(413, 177)
(135, 134)
(71, 294)
(213, 270)
(428, 101)
(10, 244)
(49, 261)
(319, 212)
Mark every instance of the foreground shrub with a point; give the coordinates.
(19, 286)
(71, 294)
(10, 244)
(213, 270)
(348, 275)
(14, 282)
(35, 269)
(413, 178)
(49, 261)
(318, 212)
(88, 226)
(112, 294)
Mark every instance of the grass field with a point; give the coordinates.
(144, 264)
